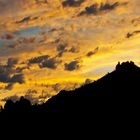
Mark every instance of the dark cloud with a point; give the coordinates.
(60, 54)
(26, 19)
(129, 35)
(61, 48)
(72, 3)
(93, 9)
(4, 77)
(51, 63)
(92, 52)
(17, 78)
(20, 69)
(74, 65)
(107, 6)
(74, 50)
(97, 9)
(5, 73)
(12, 62)
(39, 59)
(8, 73)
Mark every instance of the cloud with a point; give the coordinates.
(98, 9)
(4, 77)
(74, 50)
(129, 35)
(8, 72)
(64, 47)
(107, 6)
(17, 78)
(38, 60)
(12, 62)
(51, 63)
(74, 65)
(72, 3)
(5, 73)
(25, 19)
(20, 69)
(9, 86)
(92, 52)
(61, 48)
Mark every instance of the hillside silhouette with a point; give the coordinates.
(116, 92)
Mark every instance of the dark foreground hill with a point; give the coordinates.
(116, 93)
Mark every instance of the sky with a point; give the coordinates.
(50, 45)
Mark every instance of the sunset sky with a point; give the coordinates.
(50, 45)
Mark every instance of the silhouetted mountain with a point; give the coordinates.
(115, 93)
